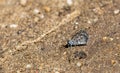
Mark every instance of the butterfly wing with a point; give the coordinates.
(80, 38)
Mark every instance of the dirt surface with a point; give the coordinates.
(33, 35)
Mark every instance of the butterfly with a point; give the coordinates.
(79, 39)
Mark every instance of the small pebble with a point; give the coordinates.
(57, 72)
(78, 39)
(20, 31)
(80, 55)
(113, 62)
(89, 21)
(64, 53)
(116, 11)
(36, 19)
(41, 16)
(95, 20)
(105, 38)
(75, 27)
(79, 64)
(36, 11)
(47, 9)
(98, 10)
(76, 23)
(69, 2)
(111, 39)
(28, 66)
(18, 71)
(117, 38)
(13, 25)
(23, 2)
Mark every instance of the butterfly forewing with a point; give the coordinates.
(80, 38)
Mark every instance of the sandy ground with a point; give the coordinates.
(33, 34)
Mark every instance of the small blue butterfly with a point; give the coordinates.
(78, 39)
